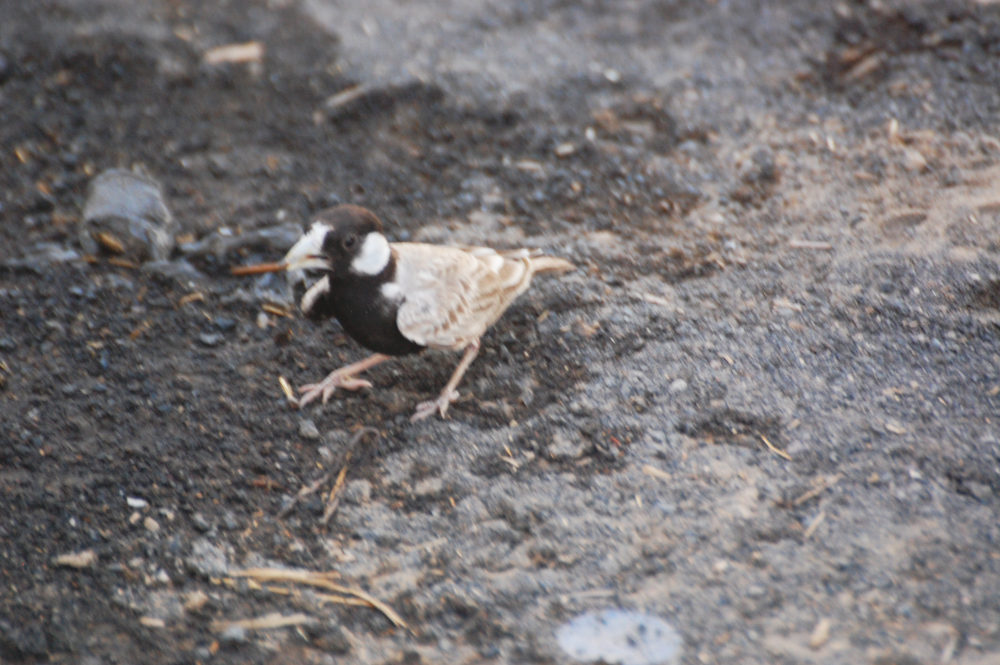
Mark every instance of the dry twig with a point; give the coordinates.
(321, 581)
(774, 449)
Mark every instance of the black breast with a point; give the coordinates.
(367, 316)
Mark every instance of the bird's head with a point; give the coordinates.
(343, 240)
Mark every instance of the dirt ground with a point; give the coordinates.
(764, 409)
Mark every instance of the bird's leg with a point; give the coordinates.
(448, 394)
(341, 378)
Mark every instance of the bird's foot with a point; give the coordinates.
(329, 385)
(440, 405)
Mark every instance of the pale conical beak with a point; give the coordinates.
(306, 253)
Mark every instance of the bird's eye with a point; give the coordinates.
(350, 241)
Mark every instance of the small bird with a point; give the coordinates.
(401, 298)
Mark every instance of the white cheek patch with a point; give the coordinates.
(374, 255)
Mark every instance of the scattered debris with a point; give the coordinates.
(266, 622)
(820, 634)
(81, 559)
(817, 245)
(321, 581)
(775, 450)
(235, 53)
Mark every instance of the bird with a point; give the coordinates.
(400, 298)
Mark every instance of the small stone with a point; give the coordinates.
(565, 149)
(224, 324)
(331, 639)
(199, 522)
(136, 502)
(357, 492)
(471, 510)
(428, 486)
(207, 559)
(195, 600)
(565, 446)
(229, 521)
(820, 634)
(913, 160)
(233, 635)
(678, 386)
(210, 339)
(981, 491)
(151, 525)
(308, 429)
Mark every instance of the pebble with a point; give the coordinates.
(357, 492)
(135, 502)
(471, 510)
(233, 635)
(308, 429)
(224, 324)
(914, 160)
(981, 491)
(199, 522)
(678, 386)
(428, 486)
(820, 633)
(207, 559)
(567, 446)
(195, 600)
(330, 638)
(210, 339)
(151, 525)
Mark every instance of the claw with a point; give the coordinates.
(342, 378)
(424, 409)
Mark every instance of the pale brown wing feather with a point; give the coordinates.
(454, 294)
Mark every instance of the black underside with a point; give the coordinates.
(365, 315)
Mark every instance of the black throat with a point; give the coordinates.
(366, 315)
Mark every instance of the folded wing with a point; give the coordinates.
(454, 294)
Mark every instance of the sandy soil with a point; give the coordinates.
(764, 409)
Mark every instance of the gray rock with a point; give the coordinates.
(207, 559)
(308, 429)
(41, 256)
(128, 206)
